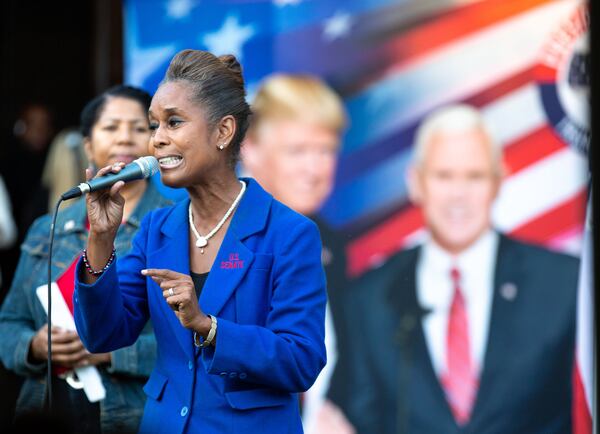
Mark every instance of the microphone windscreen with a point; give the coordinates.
(149, 166)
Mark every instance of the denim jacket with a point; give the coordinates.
(22, 315)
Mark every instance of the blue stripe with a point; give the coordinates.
(357, 163)
(380, 189)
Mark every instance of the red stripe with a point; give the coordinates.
(545, 74)
(531, 148)
(445, 29)
(501, 88)
(582, 419)
(554, 222)
(458, 23)
(382, 241)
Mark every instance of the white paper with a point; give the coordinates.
(61, 317)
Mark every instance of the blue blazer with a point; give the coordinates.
(267, 290)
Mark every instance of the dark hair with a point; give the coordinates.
(92, 110)
(218, 86)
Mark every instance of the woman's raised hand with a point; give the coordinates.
(105, 213)
(105, 207)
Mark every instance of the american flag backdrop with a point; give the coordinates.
(523, 62)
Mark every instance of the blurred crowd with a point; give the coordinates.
(468, 331)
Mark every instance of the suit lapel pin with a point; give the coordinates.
(508, 291)
(326, 256)
(69, 225)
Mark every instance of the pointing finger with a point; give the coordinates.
(162, 273)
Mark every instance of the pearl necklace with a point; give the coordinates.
(202, 241)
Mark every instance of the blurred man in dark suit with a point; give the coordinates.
(471, 331)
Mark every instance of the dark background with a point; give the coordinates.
(60, 53)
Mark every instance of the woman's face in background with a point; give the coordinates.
(121, 133)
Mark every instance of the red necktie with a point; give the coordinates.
(460, 381)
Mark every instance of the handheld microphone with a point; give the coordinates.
(142, 168)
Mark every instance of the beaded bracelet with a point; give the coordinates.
(97, 272)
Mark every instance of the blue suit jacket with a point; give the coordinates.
(267, 289)
(525, 384)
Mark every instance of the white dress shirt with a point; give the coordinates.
(435, 291)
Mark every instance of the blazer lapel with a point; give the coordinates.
(231, 263)
(234, 257)
(230, 266)
(500, 341)
(173, 255)
(417, 377)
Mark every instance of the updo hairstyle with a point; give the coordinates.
(217, 86)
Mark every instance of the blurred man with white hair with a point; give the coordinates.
(471, 331)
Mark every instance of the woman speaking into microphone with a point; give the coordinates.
(231, 278)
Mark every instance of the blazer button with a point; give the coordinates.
(190, 365)
(243, 375)
(184, 411)
(232, 374)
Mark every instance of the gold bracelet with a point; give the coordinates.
(211, 334)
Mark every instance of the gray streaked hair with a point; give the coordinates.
(453, 118)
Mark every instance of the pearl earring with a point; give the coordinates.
(221, 147)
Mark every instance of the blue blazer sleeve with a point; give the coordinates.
(111, 313)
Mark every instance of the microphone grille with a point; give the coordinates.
(149, 165)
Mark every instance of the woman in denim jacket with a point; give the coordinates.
(115, 129)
